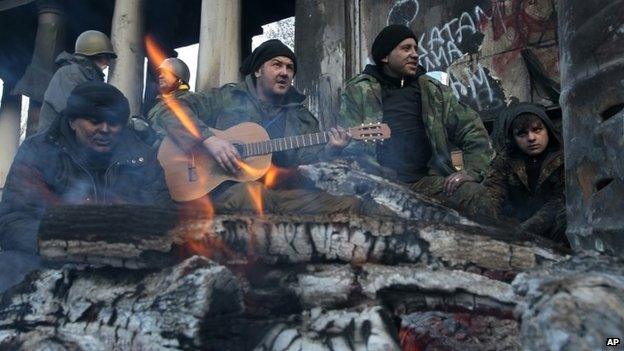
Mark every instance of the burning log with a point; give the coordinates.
(100, 309)
(351, 177)
(130, 236)
(576, 304)
(429, 331)
(364, 329)
(119, 236)
(402, 289)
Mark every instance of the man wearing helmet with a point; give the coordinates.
(173, 78)
(93, 53)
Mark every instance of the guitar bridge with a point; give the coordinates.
(192, 170)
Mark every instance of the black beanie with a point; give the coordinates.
(98, 101)
(266, 51)
(388, 39)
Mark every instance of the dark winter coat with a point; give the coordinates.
(540, 210)
(49, 170)
(74, 69)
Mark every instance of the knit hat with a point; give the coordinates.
(388, 39)
(99, 101)
(266, 51)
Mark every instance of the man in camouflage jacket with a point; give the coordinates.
(173, 78)
(426, 120)
(266, 97)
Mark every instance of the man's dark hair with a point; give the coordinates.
(524, 122)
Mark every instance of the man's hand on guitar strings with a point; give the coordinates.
(224, 153)
(338, 139)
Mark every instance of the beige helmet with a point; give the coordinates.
(177, 67)
(93, 42)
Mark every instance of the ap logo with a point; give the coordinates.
(613, 341)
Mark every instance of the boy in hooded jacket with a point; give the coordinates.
(525, 182)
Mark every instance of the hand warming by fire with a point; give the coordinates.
(232, 219)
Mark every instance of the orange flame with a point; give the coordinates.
(196, 237)
(156, 56)
(184, 118)
(255, 191)
(276, 175)
(253, 172)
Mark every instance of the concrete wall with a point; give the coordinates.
(478, 42)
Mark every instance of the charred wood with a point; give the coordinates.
(573, 305)
(136, 237)
(429, 331)
(91, 309)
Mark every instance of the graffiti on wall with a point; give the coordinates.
(454, 46)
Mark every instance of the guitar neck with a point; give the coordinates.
(284, 144)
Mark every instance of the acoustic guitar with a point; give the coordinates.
(191, 176)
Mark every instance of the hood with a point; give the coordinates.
(385, 80)
(86, 65)
(513, 111)
(65, 58)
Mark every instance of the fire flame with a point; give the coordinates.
(156, 56)
(272, 177)
(255, 191)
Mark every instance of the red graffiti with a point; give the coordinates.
(527, 29)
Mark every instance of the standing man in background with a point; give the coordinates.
(93, 53)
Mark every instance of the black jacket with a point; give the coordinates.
(49, 170)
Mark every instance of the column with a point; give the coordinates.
(322, 54)
(219, 43)
(10, 109)
(127, 32)
(49, 42)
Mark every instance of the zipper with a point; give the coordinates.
(95, 192)
(108, 170)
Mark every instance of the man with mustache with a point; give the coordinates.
(93, 53)
(426, 120)
(525, 182)
(86, 156)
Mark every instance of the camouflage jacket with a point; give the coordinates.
(448, 123)
(541, 210)
(510, 194)
(232, 104)
(164, 122)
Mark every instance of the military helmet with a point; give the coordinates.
(177, 67)
(93, 42)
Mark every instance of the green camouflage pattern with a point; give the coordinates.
(164, 122)
(449, 124)
(507, 182)
(233, 104)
